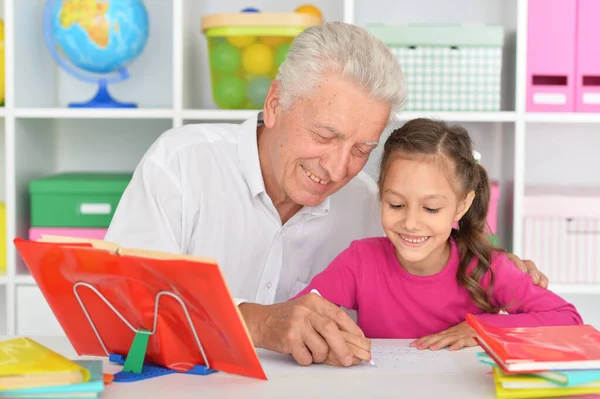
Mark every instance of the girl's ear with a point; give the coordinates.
(464, 206)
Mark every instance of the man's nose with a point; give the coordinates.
(336, 163)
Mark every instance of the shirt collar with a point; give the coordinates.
(248, 154)
(250, 163)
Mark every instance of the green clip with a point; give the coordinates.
(137, 352)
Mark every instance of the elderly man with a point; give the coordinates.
(277, 197)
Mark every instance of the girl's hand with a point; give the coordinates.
(458, 336)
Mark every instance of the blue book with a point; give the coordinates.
(564, 378)
(90, 389)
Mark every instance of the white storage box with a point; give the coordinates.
(448, 67)
(562, 233)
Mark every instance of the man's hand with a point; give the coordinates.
(529, 267)
(458, 336)
(310, 328)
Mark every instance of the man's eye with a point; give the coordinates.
(321, 138)
(361, 153)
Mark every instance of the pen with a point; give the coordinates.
(371, 362)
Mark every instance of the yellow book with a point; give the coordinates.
(24, 363)
(526, 393)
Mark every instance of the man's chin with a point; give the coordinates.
(311, 200)
(307, 197)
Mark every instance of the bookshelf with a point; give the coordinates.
(169, 81)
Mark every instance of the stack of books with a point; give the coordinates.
(31, 370)
(540, 362)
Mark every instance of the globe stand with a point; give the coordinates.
(103, 99)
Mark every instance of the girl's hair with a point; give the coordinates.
(451, 146)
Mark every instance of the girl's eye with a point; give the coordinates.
(432, 210)
(393, 206)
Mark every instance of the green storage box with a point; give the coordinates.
(448, 67)
(76, 199)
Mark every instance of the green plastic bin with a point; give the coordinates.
(245, 51)
(76, 199)
(448, 67)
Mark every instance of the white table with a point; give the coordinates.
(287, 380)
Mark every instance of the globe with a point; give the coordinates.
(95, 41)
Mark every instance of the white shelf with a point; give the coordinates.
(560, 117)
(91, 113)
(24, 280)
(231, 115)
(217, 114)
(3, 280)
(581, 289)
(502, 116)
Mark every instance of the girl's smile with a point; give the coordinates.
(414, 241)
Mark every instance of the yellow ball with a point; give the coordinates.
(241, 41)
(309, 9)
(257, 59)
(274, 41)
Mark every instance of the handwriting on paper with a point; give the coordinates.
(408, 360)
(390, 356)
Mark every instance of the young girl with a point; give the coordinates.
(424, 277)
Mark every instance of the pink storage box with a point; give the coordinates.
(587, 84)
(93, 233)
(551, 41)
(492, 216)
(562, 232)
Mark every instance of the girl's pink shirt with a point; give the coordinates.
(392, 303)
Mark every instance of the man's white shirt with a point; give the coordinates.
(199, 190)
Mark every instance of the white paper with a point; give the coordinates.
(390, 356)
(407, 360)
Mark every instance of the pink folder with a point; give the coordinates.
(551, 55)
(587, 86)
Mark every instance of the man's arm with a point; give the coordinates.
(310, 328)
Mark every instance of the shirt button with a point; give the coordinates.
(268, 285)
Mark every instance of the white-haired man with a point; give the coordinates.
(277, 197)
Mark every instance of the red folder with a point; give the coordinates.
(536, 349)
(130, 281)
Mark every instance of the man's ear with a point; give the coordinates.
(271, 108)
(464, 206)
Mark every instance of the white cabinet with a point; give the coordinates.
(34, 316)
